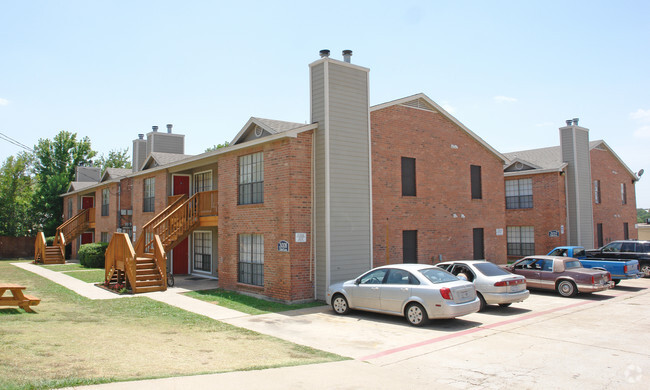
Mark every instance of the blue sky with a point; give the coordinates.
(512, 71)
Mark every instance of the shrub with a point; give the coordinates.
(92, 255)
(49, 240)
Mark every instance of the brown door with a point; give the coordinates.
(181, 185)
(87, 202)
(87, 238)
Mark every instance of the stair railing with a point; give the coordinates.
(39, 247)
(160, 257)
(179, 223)
(144, 243)
(120, 255)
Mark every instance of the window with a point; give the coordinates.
(251, 259)
(203, 251)
(599, 234)
(408, 176)
(374, 277)
(623, 194)
(70, 208)
(521, 240)
(410, 246)
(203, 181)
(519, 194)
(597, 191)
(477, 235)
(251, 178)
(626, 231)
(475, 172)
(103, 236)
(149, 195)
(105, 202)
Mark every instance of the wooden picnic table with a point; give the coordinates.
(17, 297)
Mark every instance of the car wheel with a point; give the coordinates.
(340, 304)
(616, 281)
(483, 303)
(645, 268)
(566, 288)
(505, 304)
(416, 315)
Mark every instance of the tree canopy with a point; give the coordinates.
(16, 195)
(55, 162)
(219, 146)
(118, 158)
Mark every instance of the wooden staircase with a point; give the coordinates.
(65, 233)
(145, 266)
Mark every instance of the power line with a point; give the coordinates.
(5, 137)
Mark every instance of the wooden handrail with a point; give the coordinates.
(178, 223)
(75, 225)
(39, 247)
(120, 255)
(141, 245)
(160, 257)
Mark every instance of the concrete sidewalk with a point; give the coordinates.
(173, 296)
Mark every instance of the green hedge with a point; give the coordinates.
(49, 240)
(92, 255)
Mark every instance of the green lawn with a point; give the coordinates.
(244, 303)
(88, 275)
(71, 340)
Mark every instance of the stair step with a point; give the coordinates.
(149, 289)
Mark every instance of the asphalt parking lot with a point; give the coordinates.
(592, 341)
(596, 341)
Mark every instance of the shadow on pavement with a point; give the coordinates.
(495, 310)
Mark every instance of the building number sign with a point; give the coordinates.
(283, 246)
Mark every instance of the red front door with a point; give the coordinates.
(87, 202)
(181, 185)
(87, 238)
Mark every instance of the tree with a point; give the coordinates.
(215, 147)
(55, 162)
(116, 159)
(16, 195)
(642, 215)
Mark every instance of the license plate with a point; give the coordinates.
(516, 288)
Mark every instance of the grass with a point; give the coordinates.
(88, 276)
(72, 340)
(65, 267)
(245, 303)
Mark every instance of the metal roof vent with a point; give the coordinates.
(346, 55)
(169, 128)
(324, 53)
(154, 128)
(575, 121)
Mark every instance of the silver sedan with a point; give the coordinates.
(418, 292)
(495, 285)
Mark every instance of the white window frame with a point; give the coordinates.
(194, 253)
(195, 182)
(251, 257)
(520, 236)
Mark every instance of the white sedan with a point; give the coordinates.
(495, 285)
(419, 292)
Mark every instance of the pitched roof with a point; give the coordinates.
(115, 173)
(550, 158)
(80, 185)
(423, 102)
(159, 158)
(264, 127)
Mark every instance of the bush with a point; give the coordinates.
(49, 240)
(92, 255)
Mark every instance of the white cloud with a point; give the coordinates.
(3, 102)
(642, 132)
(504, 99)
(641, 115)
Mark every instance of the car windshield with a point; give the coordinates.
(436, 275)
(572, 264)
(490, 269)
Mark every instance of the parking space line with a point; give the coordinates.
(470, 331)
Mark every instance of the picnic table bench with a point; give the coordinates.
(17, 297)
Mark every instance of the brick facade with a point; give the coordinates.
(443, 153)
(548, 212)
(162, 191)
(109, 223)
(611, 213)
(288, 276)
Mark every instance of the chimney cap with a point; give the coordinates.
(154, 128)
(140, 136)
(324, 53)
(575, 121)
(569, 122)
(169, 127)
(346, 55)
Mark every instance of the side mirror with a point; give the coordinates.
(357, 281)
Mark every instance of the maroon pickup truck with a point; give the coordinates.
(563, 274)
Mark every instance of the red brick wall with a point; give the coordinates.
(443, 188)
(548, 212)
(611, 212)
(286, 210)
(107, 223)
(162, 191)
